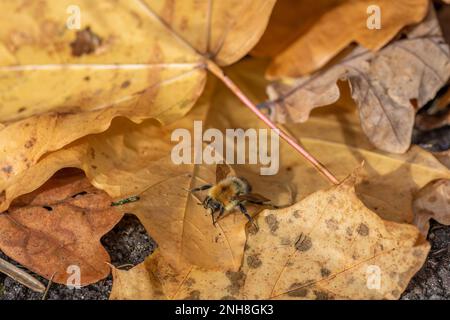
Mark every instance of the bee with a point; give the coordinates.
(229, 194)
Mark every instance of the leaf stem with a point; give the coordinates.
(217, 71)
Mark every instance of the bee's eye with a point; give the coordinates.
(216, 205)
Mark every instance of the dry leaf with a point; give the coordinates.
(120, 162)
(433, 201)
(60, 225)
(138, 59)
(333, 134)
(138, 283)
(389, 86)
(131, 159)
(323, 247)
(303, 36)
(443, 157)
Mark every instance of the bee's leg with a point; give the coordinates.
(249, 217)
(214, 221)
(201, 188)
(221, 211)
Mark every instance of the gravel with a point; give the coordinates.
(432, 282)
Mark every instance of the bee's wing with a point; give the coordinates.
(254, 198)
(222, 171)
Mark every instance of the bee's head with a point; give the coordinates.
(212, 204)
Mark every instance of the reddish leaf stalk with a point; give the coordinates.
(217, 71)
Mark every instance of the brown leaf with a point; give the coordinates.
(388, 86)
(59, 225)
(320, 248)
(433, 201)
(138, 283)
(303, 35)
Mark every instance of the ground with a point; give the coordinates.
(129, 243)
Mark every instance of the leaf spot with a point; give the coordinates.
(303, 243)
(254, 262)
(363, 230)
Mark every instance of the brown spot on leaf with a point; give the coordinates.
(304, 243)
(22, 109)
(30, 143)
(432, 199)
(237, 280)
(363, 230)
(272, 222)
(86, 42)
(193, 295)
(322, 295)
(332, 224)
(92, 153)
(7, 169)
(125, 84)
(254, 262)
(299, 292)
(325, 272)
(189, 282)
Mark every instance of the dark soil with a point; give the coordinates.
(432, 282)
(128, 243)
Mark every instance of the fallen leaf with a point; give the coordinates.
(443, 157)
(58, 226)
(130, 159)
(389, 86)
(138, 59)
(138, 283)
(433, 201)
(119, 161)
(303, 36)
(333, 134)
(323, 247)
